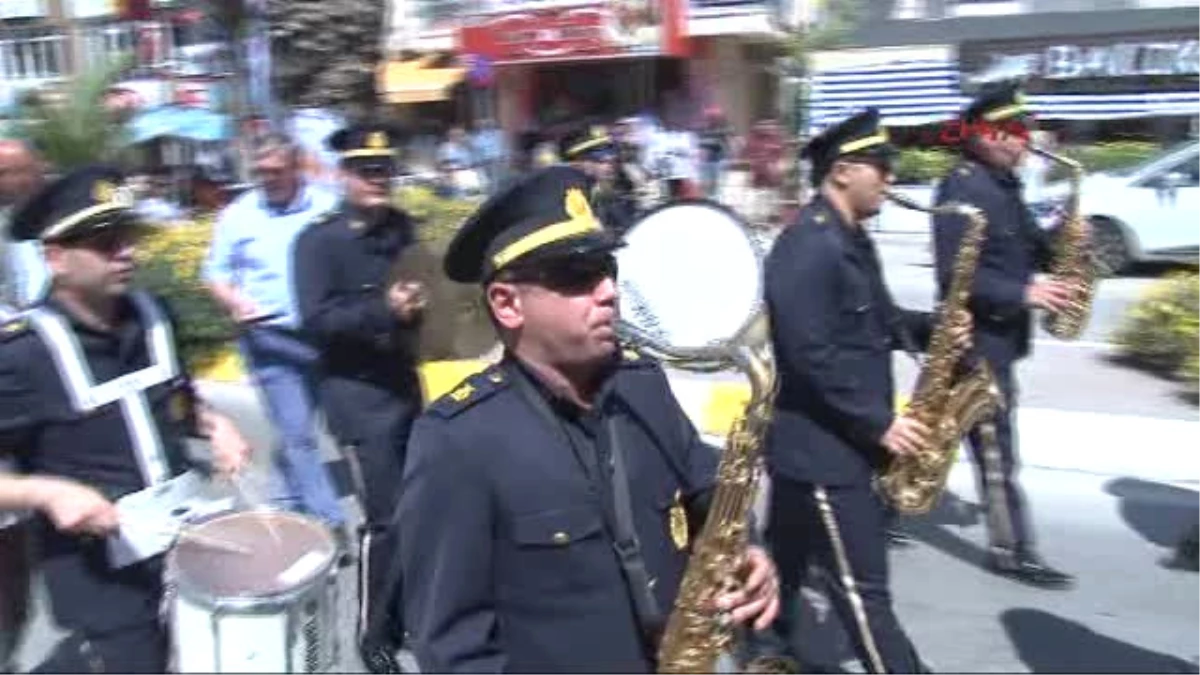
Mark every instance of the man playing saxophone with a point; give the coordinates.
(547, 501)
(1002, 295)
(834, 328)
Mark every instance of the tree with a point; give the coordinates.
(326, 53)
(73, 126)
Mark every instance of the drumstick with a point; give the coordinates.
(213, 543)
(236, 480)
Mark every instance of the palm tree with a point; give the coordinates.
(325, 53)
(72, 127)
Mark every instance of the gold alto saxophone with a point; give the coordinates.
(696, 635)
(1073, 262)
(949, 399)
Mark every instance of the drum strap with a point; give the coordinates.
(86, 395)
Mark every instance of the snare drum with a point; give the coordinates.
(253, 591)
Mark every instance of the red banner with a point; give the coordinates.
(609, 29)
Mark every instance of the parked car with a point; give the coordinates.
(1147, 212)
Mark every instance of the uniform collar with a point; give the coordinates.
(562, 405)
(1005, 177)
(127, 333)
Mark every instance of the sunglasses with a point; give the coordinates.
(375, 171)
(569, 275)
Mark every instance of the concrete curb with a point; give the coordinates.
(1154, 449)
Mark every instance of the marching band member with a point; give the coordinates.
(834, 327)
(94, 409)
(546, 504)
(369, 388)
(1002, 297)
(592, 150)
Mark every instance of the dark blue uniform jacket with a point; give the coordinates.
(834, 327)
(1014, 249)
(508, 563)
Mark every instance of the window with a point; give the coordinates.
(36, 54)
(986, 7)
(1189, 169)
(907, 10)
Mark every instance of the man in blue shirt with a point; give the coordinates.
(24, 277)
(249, 272)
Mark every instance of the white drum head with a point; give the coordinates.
(689, 276)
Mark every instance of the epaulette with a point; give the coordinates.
(964, 170)
(13, 328)
(472, 390)
(632, 358)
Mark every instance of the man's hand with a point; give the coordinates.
(242, 309)
(230, 450)
(406, 299)
(961, 326)
(758, 597)
(906, 436)
(75, 508)
(1049, 294)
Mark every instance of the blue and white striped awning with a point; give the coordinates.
(907, 93)
(911, 93)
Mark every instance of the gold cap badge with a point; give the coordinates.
(377, 140)
(577, 206)
(103, 191)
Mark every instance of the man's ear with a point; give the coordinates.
(504, 302)
(839, 174)
(55, 256)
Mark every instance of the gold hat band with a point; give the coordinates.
(864, 143)
(587, 145)
(381, 152)
(1005, 112)
(62, 226)
(547, 235)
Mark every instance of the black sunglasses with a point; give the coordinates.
(569, 275)
(375, 170)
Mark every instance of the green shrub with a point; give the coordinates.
(1106, 156)
(169, 263)
(1161, 330)
(923, 166)
(170, 260)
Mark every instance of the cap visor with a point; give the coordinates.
(587, 244)
(129, 221)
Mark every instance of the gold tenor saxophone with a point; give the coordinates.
(945, 400)
(1073, 261)
(695, 635)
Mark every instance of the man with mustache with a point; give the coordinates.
(362, 323)
(95, 407)
(547, 501)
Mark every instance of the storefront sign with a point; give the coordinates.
(1103, 63)
(595, 30)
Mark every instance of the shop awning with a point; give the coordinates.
(416, 81)
(912, 93)
(907, 93)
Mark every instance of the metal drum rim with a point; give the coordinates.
(255, 601)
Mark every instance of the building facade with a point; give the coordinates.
(44, 43)
(1094, 69)
(537, 62)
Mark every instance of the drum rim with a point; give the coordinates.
(254, 601)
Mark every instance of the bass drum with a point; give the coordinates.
(710, 246)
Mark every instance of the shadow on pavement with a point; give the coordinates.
(931, 528)
(1161, 514)
(1047, 643)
